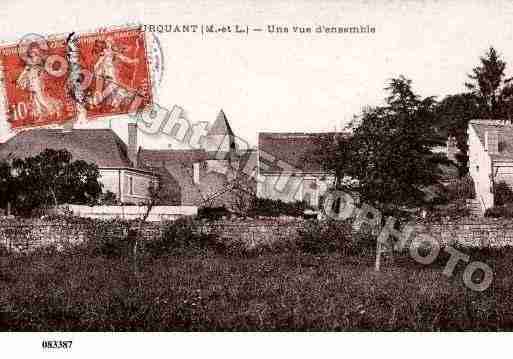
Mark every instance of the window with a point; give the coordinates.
(131, 183)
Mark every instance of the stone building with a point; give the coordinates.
(289, 167)
(103, 147)
(490, 151)
(208, 176)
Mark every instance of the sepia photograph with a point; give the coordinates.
(170, 170)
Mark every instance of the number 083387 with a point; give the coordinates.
(57, 344)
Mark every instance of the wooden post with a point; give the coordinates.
(8, 208)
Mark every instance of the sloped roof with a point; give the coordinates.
(220, 126)
(176, 167)
(297, 149)
(505, 137)
(100, 146)
(157, 157)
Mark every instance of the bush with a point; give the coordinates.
(274, 208)
(503, 194)
(109, 238)
(460, 189)
(329, 236)
(177, 236)
(108, 198)
(503, 211)
(213, 213)
(452, 211)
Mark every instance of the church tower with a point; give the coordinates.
(220, 137)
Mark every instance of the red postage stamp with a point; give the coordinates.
(119, 72)
(34, 83)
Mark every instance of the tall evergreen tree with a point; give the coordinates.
(391, 149)
(489, 84)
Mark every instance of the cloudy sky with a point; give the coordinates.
(288, 82)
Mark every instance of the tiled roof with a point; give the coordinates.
(505, 137)
(176, 167)
(300, 150)
(157, 157)
(100, 146)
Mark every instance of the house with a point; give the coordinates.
(490, 152)
(100, 146)
(289, 167)
(209, 176)
(214, 175)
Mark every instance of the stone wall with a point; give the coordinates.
(253, 232)
(23, 236)
(484, 233)
(26, 236)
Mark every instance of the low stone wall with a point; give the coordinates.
(253, 232)
(481, 233)
(27, 235)
(23, 236)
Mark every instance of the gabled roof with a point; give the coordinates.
(100, 146)
(220, 126)
(504, 133)
(297, 149)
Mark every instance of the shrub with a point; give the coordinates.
(460, 189)
(503, 211)
(213, 213)
(326, 237)
(177, 236)
(108, 198)
(109, 238)
(274, 208)
(452, 211)
(503, 194)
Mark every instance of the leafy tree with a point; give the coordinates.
(333, 153)
(391, 154)
(52, 178)
(6, 184)
(453, 114)
(490, 85)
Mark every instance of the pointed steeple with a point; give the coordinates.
(221, 126)
(220, 136)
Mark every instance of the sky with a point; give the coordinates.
(287, 82)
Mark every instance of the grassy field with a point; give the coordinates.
(281, 291)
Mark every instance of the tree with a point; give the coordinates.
(334, 154)
(155, 194)
(391, 156)
(52, 178)
(453, 114)
(6, 184)
(490, 85)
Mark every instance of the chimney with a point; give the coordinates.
(132, 143)
(492, 141)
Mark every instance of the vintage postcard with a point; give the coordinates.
(170, 170)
